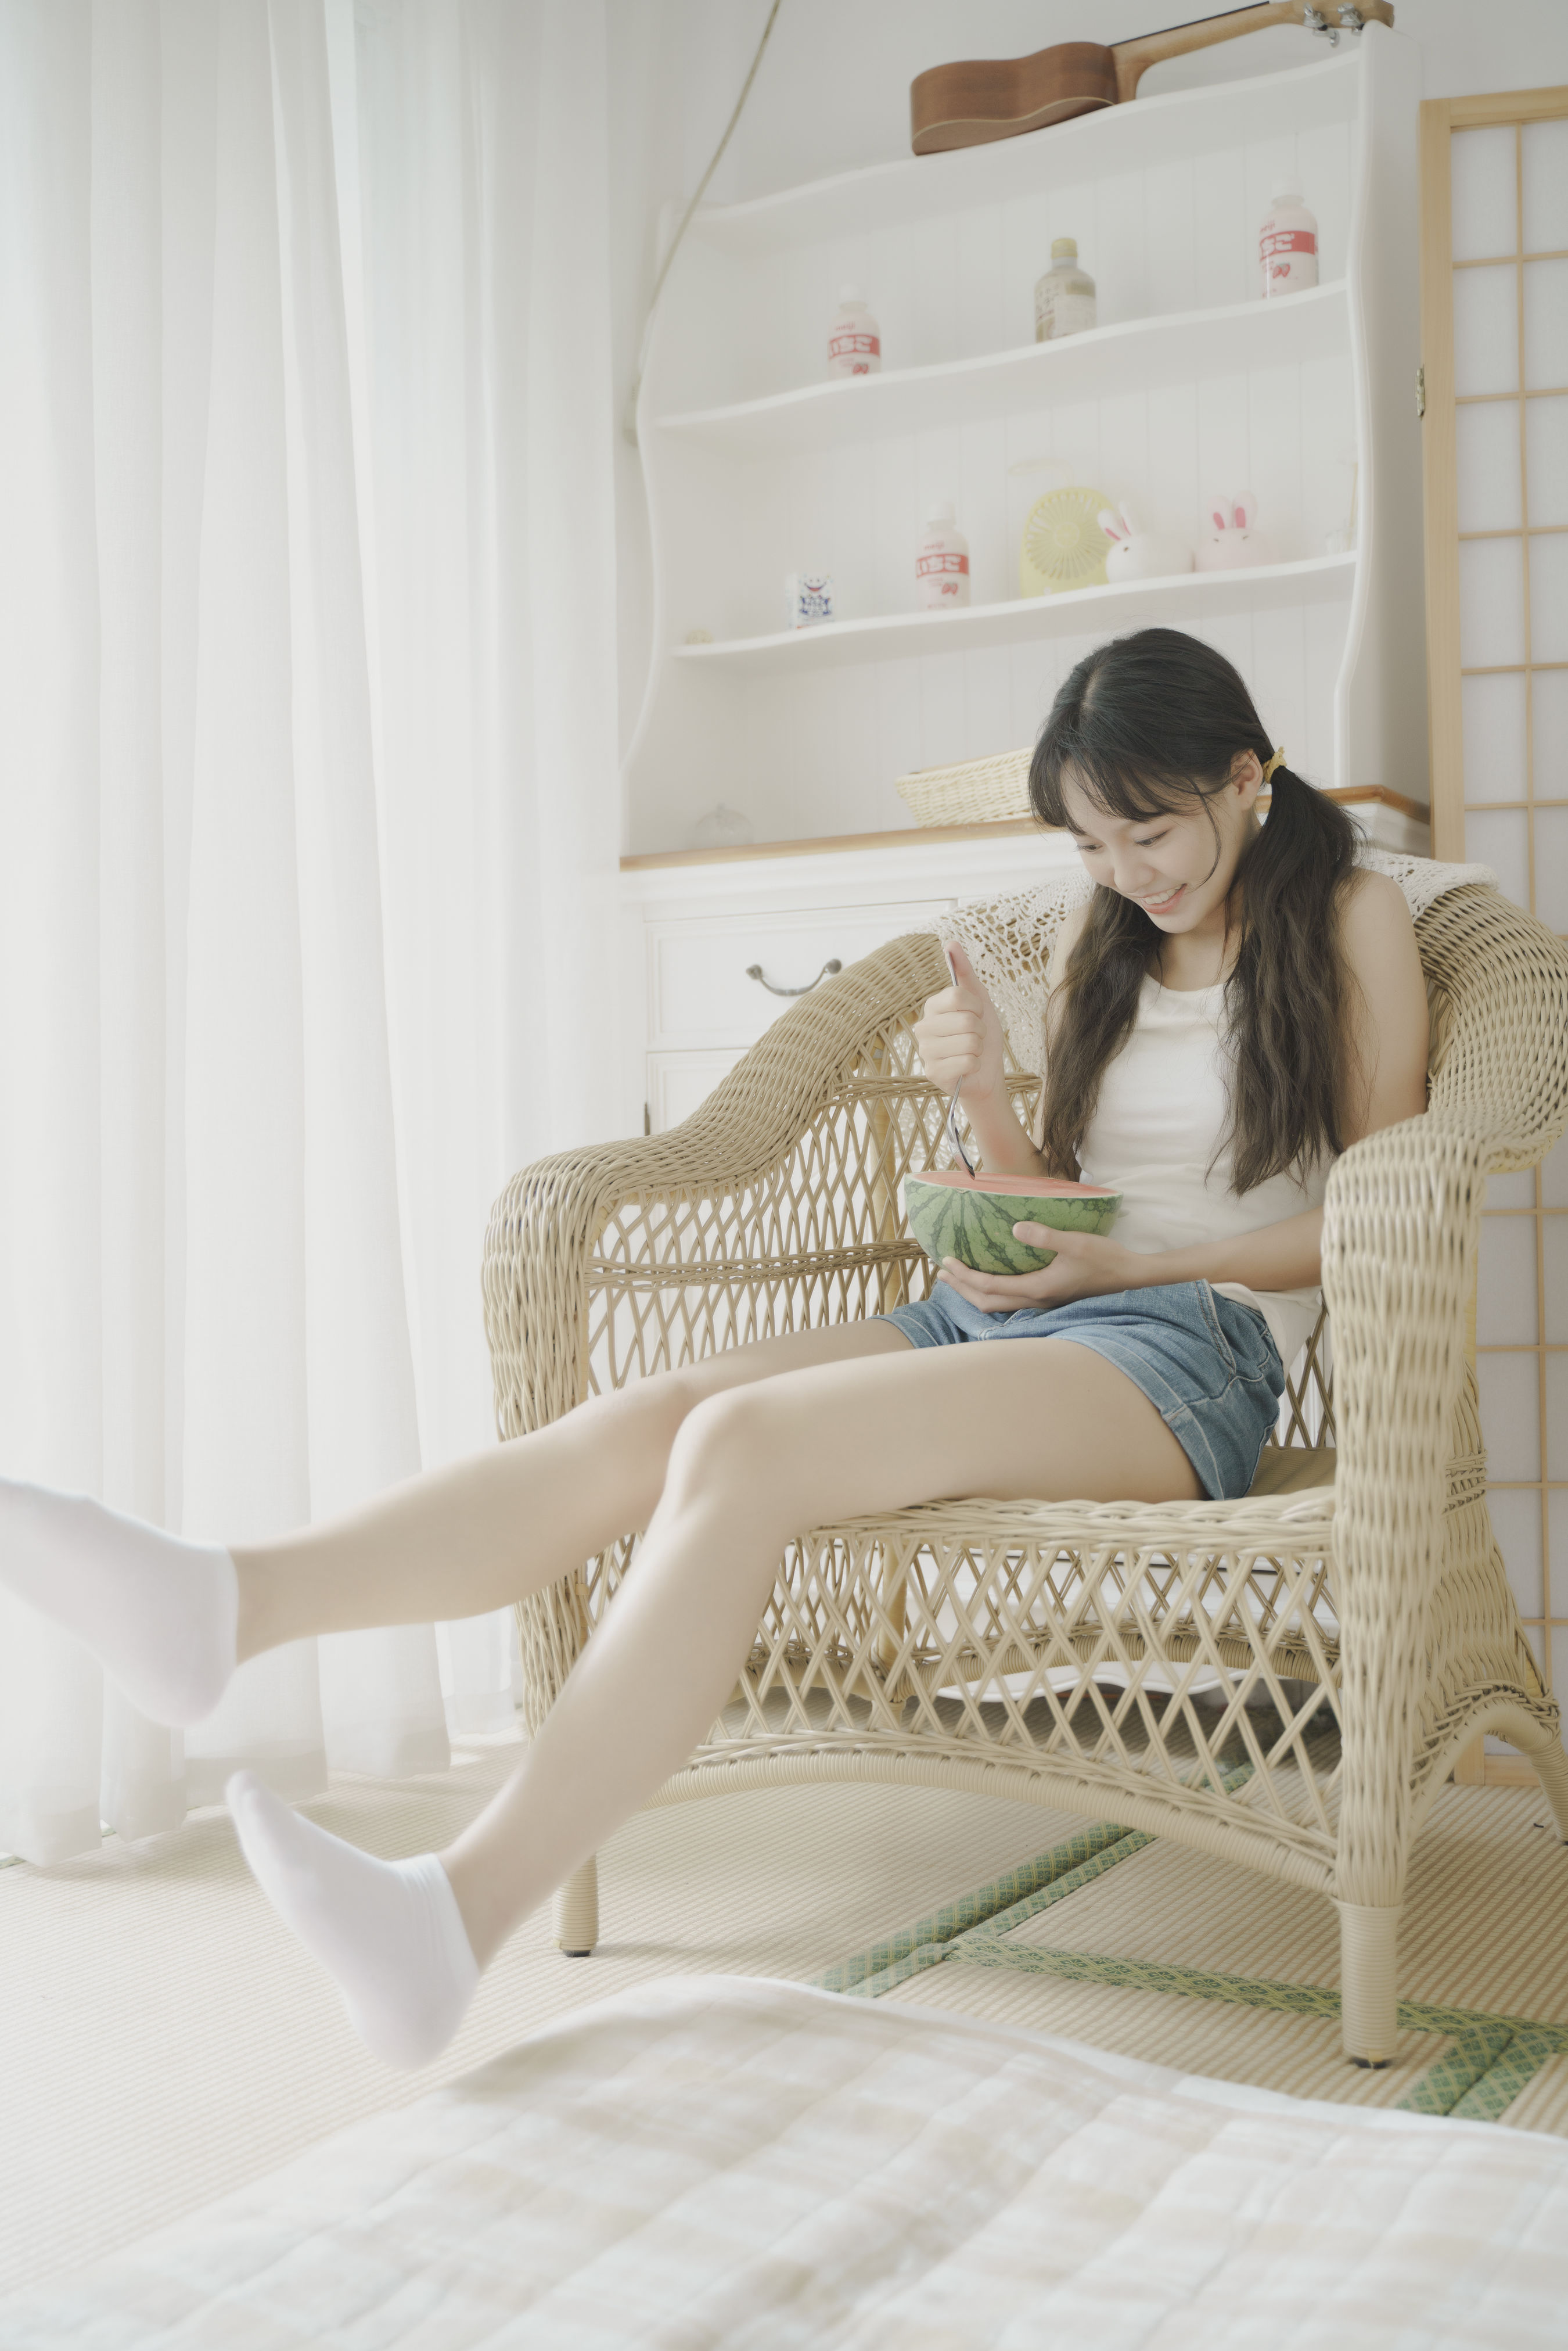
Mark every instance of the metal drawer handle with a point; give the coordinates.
(754, 971)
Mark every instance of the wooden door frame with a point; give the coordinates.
(1440, 118)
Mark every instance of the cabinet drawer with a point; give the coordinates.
(700, 991)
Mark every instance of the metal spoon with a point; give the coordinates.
(954, 1138)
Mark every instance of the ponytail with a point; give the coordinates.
(1285, 996)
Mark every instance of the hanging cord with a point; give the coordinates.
(629, 421)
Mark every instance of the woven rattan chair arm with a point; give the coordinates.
(1401, 1235)
(540, 1248)
(1401, 1228)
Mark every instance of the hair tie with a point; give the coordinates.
(1277, 761)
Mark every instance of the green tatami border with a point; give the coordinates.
(1489, 2061)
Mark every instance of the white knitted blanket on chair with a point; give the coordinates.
(1009, 940)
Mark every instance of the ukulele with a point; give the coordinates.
(999, 98)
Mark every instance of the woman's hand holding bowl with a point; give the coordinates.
(1086, 1265)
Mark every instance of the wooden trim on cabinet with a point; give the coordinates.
(1002, 828)
(1474, 1768)
(649, 860)
(1508, 1771)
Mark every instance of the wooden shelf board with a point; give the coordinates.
(906, 836)
(1134, 136)
(902, 837)
(903, 636)
(1176, 347)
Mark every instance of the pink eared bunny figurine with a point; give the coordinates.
(1234, 542)
(1140, 554)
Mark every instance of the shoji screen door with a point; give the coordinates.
(1494, 339)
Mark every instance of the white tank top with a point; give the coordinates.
(1162, 1108)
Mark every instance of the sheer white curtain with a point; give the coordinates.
(308, 817)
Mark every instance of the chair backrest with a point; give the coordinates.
(1497, 990)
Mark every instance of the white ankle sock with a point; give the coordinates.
(158, 1612)
(389, 1932)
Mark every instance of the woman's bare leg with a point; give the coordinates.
(748, 1469)
(169, 1618)
(479, 1533)
(749, 1466)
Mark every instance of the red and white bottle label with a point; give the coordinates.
(853, 351)
(943, 576)
(1289, 258)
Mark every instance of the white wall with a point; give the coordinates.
(833, 95)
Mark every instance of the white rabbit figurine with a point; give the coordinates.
(1140, 554)
(1234, 542)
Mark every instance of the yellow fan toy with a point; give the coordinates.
(1063, 544)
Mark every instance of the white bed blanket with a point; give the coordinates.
(722, 2161)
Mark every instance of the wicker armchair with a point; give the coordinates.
(1344, 1629)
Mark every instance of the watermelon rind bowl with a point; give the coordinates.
(971, 1217)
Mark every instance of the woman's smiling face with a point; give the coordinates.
(1178, 866)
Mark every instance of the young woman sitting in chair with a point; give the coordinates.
(1235, 1006)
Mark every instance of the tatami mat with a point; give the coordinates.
(164, 2040)
(1485, 1927)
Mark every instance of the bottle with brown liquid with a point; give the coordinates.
(1064, 296)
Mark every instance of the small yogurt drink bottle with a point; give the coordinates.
(1287, 246)
(808, 599)
(1065, 297)
(941, 563)
(854, 342)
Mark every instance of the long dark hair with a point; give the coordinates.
(1143, 727)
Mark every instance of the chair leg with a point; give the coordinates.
(1550, 1767)
(1541, 1747)
(1368, 1941)
(577, 1912)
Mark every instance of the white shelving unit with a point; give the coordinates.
(1153, 352)
(1183, 603)
(756, 466)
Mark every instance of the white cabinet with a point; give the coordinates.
(721, 978)
(692, 933)
(757, 466)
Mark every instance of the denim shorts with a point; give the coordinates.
(1207, 1364)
